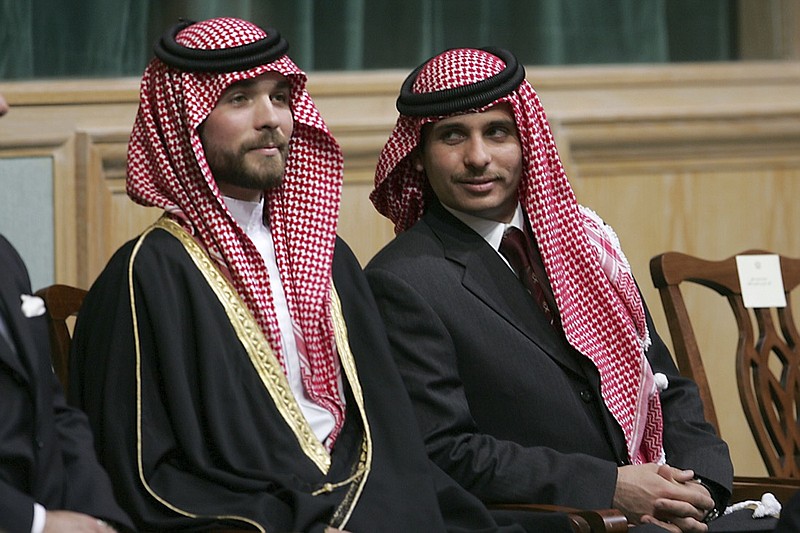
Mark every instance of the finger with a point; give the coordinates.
(104, 526)
(691, 493)
(677, 475)
(682, 476)
(648, 519)
(700, 497)
(668, 509)
(690, 525)
(665, 471)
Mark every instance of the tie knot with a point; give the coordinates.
(514, 234)
(514, 246)
(517, 249)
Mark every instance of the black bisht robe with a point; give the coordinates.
(193, 437)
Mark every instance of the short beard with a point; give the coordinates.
(232, 168)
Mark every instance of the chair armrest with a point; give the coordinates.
(752, 488)
(583, 521)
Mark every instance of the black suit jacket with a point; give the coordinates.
(506, 406)
(46, 452)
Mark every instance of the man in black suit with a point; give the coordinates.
(537, 375)
(50, 479)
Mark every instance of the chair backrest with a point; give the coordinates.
(767, 355)
(62, 302)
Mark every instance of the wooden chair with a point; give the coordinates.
(62, 302)
(596, 521)
(582, 521)
(766, 336)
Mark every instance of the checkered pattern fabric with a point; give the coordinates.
(600, 307)
(167, 168)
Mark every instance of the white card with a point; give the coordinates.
(761, 281)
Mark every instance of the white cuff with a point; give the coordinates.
(39, 518)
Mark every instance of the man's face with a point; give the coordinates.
(246, 136)
(474, 162)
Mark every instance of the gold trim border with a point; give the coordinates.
(139, 454)
(266, 365)
(349, 366)
(255, 343)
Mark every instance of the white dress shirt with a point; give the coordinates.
(491, 230)
(249, 215)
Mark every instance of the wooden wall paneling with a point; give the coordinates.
(359, 224)
(709, 187)
(111, 218)
(65, 212)
(713, 215)
(60, 150)
(89, 222)
(360, 113)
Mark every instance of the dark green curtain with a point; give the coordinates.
(90, 38)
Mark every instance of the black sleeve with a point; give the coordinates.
(690, 441)
(495, 469)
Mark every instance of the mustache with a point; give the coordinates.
(477, 176)
(271, 137)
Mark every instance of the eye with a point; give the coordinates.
(281, 97)
(498, 132)
(451, 136)
(237, 98)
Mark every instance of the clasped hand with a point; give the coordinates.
(663, 495)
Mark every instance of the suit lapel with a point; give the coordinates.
(11, 312)
(491, 281)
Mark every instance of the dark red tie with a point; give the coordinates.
(517, 249)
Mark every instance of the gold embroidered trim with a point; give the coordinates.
(271, 374)
(255, 344)
(364, 467)
(139, 453)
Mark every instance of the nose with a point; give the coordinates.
(266, 115)
(477, 154)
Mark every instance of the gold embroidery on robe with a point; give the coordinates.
(271, 373)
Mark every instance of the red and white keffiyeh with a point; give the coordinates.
(167, 168)
(601, 311)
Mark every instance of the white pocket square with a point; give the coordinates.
(32, 306)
